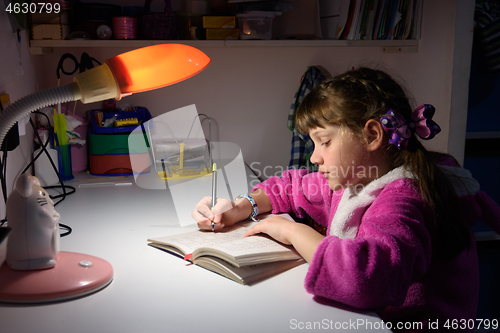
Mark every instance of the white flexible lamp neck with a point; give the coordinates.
(30, 103)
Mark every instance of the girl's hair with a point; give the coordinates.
(353, 98)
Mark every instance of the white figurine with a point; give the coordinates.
(34, 240)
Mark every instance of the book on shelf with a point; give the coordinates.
(378, 18)
(372, 19)
(393, 19)
(351, 34)
(350, 17)
(385, 19)
(342, 18)
(406, 24)
(416, 24)
(363, 19)
(226, 252)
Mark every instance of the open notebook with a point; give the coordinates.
(244, 260)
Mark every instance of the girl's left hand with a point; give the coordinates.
(277, 227)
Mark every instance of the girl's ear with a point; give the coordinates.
(375, 133)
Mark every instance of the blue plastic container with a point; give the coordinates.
(141, 113)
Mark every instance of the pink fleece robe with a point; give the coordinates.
(387, 266)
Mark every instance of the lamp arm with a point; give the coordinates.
(33, 102)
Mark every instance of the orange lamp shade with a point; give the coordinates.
(156, 66)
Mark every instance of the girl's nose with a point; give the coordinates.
(316, 158)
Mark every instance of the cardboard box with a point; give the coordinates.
(222, 34)
(219, 22)
(49, 31)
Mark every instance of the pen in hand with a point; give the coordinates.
(214, 190)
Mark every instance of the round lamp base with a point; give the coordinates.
(75, 275)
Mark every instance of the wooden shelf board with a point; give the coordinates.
(222, 43)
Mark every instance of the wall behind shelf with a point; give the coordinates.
(248, 90)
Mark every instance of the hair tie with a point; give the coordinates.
(401, 129)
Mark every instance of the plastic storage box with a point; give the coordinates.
(255, 25)
(122, 150)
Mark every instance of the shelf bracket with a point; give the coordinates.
(400, 49)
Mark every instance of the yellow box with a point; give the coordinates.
(222, 34)
(219, 22)
(49, 31)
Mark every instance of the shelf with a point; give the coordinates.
(482, 135)
(482, 236)
(322, 43)
(46, 46)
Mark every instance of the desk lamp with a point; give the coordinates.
(69, 275)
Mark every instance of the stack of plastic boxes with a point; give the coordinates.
(118, 151)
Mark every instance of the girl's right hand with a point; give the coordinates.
(224, 213)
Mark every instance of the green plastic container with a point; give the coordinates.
(114, 144)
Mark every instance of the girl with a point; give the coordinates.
(398, 238)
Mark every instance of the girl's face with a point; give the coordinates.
(342, 157)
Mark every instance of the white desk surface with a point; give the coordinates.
(153, 291)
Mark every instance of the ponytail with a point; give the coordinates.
(449, 230)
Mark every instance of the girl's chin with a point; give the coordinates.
(357, 184)
(336, 186)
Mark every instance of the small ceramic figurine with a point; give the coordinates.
(34, 240)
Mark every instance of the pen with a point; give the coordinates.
(214, 190)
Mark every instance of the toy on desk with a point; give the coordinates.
(126, 122)
(110, 122)
(34, 240)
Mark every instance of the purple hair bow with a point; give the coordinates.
(401, 129)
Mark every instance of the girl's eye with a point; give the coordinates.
(326, 143)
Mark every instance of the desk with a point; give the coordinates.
(153, 291)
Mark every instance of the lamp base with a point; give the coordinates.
(75, 275)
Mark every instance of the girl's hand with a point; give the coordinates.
(224, 214)
(277, 227)
(303, 238)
